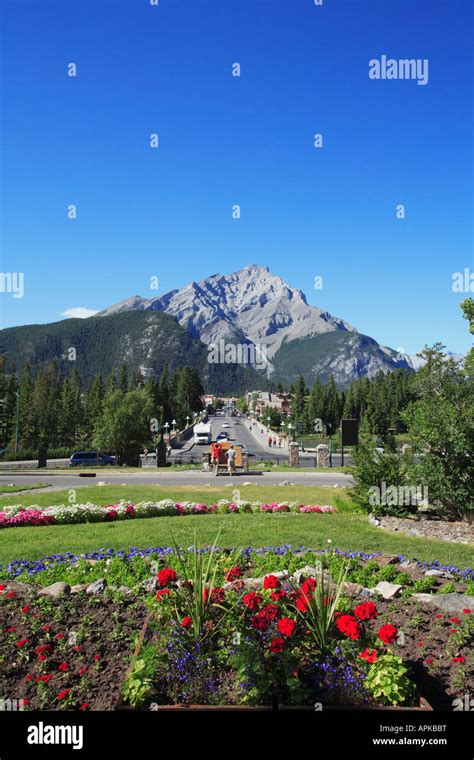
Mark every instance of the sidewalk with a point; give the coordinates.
(262, 438)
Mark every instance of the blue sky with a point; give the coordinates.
(225, 140)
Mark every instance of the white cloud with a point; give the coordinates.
(78, 312)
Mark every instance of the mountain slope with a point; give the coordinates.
(251, 305)
(345, 355)
(146, 340)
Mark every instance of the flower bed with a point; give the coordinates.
(217, 635)
(19, 516)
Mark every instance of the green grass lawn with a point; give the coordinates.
(26, 487)
(346, 529)
(208, 494)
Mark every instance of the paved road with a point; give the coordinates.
(189, 477)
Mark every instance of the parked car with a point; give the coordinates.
(90, 459)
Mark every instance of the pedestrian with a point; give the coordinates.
(269, 440)
(279, 441)
(274, 441)
(215, 451)
(231, 460)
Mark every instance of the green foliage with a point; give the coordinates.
(388, 682)
(138, 684)
(447, 588)
(441, 424)
(321, 606)
(375, 476)
(124, 426)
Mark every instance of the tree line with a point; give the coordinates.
(121, 414)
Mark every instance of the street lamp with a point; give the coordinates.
(329, 431)
(269, 419)
(166, 426)
(173, 422)
(187, 420)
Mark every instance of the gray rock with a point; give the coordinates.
(453, 602)
(125, 590)
(413, 532)
(150, 585)
(78, 588)
(388, 590)
(23, 589)
(407, 565)
(387, 559)
(96, 587)
(353, 589)
(439, 574)
(55, 590)
(307, 570)
(374, 520)
(425, 598)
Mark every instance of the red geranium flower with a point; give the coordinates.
(84, 706)
(286, 626)
(64, 667)
(276, 645)
(428, 660)
(44, 679)
(454, 620)
(387, 633)
(278, 595)
(366, 611)
(252, 600)
(10, 595)
(302, 603)
(458, 659)
(453, 630)
(165, 576)
(25, 608)
(369, 654)
(29, 677)
(59, 636)
(233, 574)
(349, 626)
(83, 670)
(308, 585)
(261, 621)
(271, 611)
(63, 693)
(186, 621)
(2, 587)
(271, 581)
(217, 595)
(42, 648)
(11, 630)
(22, 642)
(162, 593)
(467, 611)
(45, 627)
